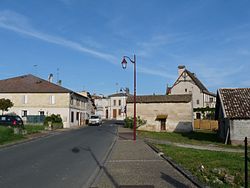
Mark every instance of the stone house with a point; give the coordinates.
(35, 96)
(188, 83)
(102, 106)
(163, 112)
(233, 114)
(117, 106)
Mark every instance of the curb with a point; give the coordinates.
(93, 180)
(186, 173)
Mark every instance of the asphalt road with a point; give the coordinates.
(68, 159)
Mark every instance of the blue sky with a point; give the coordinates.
(82, 42)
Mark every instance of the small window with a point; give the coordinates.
(25, 99)
(24, 113)
(114, 102)
(52, 99)
(119, 112)
(197, 102)
(211, 99)
(41, 113)
(186, 90)
(120, 102)
(71, 101)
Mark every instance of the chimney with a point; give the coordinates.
(181, 68)
(59, 82)
(50, 79)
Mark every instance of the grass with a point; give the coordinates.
(195, 137)
(7, 135)
(231, 164)
(31, 129)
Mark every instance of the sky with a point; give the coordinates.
(82, 42)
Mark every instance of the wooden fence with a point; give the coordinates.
(206, 124)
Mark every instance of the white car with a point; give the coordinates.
(95, 120)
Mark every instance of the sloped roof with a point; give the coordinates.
(30, 84)
(235, 102)
(160, 99)
(196, 80)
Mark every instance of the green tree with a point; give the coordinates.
(5, 104)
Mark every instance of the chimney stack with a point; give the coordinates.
(181, 68)
(50, 79)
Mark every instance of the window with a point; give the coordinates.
(120, 102)
(186, 90)
(211, 99)
(119, 112)
(77, 116)
(71, 101)
(41, 113)
(25, 99)
(114, 102)
(198, 115)
(52, 99)
(72, 117)
(24, 113)
(197, 102)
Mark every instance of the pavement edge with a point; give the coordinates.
(186, 173)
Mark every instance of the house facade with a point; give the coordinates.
(188, 83)
(233, 115)
(171, 113)
(35, 96)
(117, 106)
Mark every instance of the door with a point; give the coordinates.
(114, 113)
(163, 124)
(107, 114)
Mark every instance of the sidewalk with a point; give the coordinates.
(135, 164)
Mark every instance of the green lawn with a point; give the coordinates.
(195, 137)
(7, 135)
(217, 165)
(34, 128)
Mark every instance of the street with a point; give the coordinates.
(67, 159)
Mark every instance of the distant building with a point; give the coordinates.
(35, 96)
(188, 83)
(117, 106)
(233, 114)
(163, 112)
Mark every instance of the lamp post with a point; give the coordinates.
(124, 65)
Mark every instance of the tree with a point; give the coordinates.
(5, 104)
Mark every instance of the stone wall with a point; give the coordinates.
(239, 129)
(180, 116)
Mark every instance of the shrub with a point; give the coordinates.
(129, 122)
(56, 121)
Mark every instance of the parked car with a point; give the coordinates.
(95, 120)
(11, 120)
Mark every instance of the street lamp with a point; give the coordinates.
(124, 66)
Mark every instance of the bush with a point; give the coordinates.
(33, 128)
(129, 122)
(56, 121)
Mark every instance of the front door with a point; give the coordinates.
(163, 124)
(114, 113)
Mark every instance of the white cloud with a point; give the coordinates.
(18, 23)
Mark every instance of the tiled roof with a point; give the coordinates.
(160, 99)
(236, 102)
(196, 80)
(30, 84)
